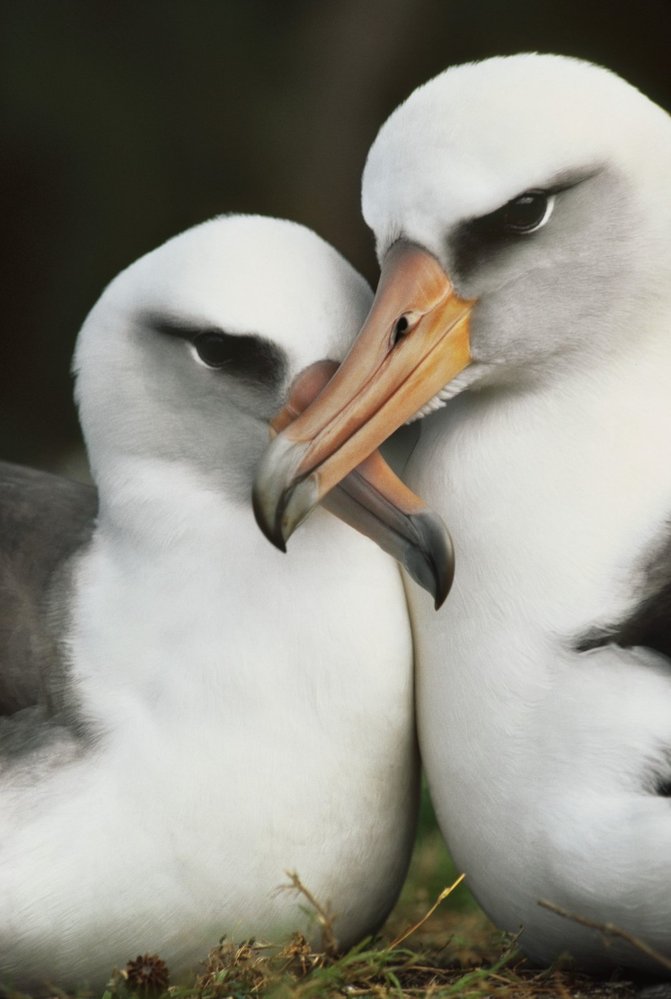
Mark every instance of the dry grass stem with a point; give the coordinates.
(609, 929)
(324, 917)
(445, 893)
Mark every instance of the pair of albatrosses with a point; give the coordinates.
(189, 713)
(522, 217)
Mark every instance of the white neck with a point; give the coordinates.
(178, 574)
(224, 682)
(537, 491)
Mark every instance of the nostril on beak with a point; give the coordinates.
(400, 329)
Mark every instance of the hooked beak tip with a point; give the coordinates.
(444, 575)
(431, 561)
(440, 597)
(271, 485)
(281, 499)
(269, 527)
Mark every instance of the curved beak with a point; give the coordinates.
(414, 341)
(374, 501)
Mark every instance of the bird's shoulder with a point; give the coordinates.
(648, 623)
(44, 520)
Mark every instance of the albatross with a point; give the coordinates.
(186, 715)
(522, 217)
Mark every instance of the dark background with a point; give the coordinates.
(125, 121)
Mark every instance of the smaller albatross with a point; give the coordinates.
(184, 713)
(542, 368)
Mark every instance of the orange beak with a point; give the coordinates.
(374, 501)
(414, 341)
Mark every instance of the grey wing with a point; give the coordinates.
(44, 520)
(649, 623)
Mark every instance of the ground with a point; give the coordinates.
(456, 951)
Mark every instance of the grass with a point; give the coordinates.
(425, 949)
(449, 949)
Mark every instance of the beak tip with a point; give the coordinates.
(272, 531)
(431, 562)
(279, 543)
(440, 595)
(445, 573)
(279, 502)
(444, 579)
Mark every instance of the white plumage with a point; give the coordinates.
(540, 185)
(549, 766)
(222, 714)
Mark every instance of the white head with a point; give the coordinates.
(449, 166)
(522, 217)
(190, 350)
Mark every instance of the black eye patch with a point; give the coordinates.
(477, 240)
(247, 356)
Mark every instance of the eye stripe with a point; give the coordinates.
(475, 241)
(478, 240)
(246, 356)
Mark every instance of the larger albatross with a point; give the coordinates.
(186, 714)
(540, 185)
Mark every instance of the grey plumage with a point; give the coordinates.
(44, 520)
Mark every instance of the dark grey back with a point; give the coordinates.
(44, 520)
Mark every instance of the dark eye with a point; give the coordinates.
(244, 356)
(528, 212)
(213, 348)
